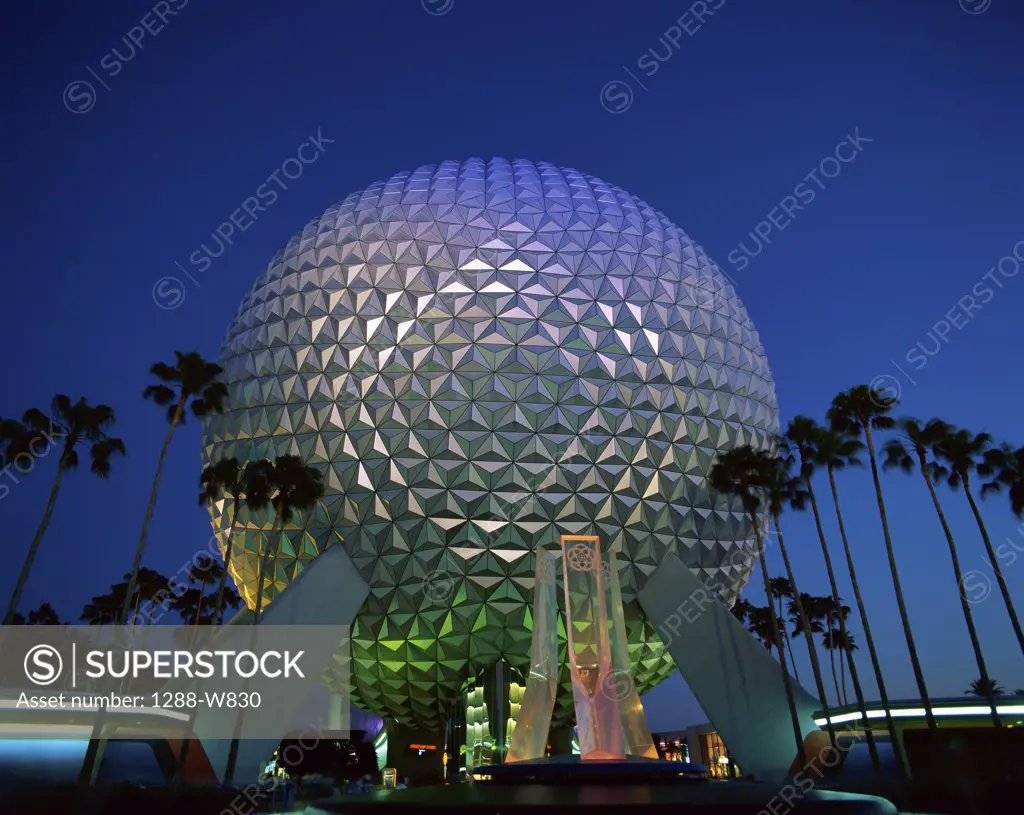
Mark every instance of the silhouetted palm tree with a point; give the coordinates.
(759, 623)
(205, 570)
(225, 480)
(865, 410)
(836, 450)
(293, 486)
(985, 688)
(780, 488)
(782, 589)
(191, 383)
(833, 640)
(910, 451)
(738, 473)
(46, 614)
(1006, 466)
(105, 609)
(741, 609)
(70, 423)
(290, 485)
(801, 441)
(963, 452)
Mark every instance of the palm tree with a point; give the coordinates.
(835, 451)
(848, 644)
(224, 479)
(864, 410)
(105, 609)
(782, 589)
(149, 585)
(737, 473)
(293, 486)
(830, 642)
(801, 441)
(73, 422)
(290, 485)
(1006, 465)
(741, 609)
(987, 688)
(834, 614)
(46, 614)
(813, 609)
(910, 451)
(759, 623)
(780, 488)
(190, 378)
(961, 451)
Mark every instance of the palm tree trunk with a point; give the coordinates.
(264, 562)
(832, 659)
(911, 647)
(806, 628)
(33, 550)
(199, 602)
(229, 771)
(91, 753)
(777, 639)
(789, 644)
(958, 574)
(858, 692)
(995, 567)
(897, 745)
(222, 588)
(149, 509)
(842, 675)
(218, 616)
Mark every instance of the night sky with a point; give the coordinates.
(717, 119)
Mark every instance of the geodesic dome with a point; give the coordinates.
(482, 356)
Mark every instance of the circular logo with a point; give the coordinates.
(437, 8)
(438, 585)
(43, 665)
(168, 293)
(79, 96)
(616, 96)
(617, 685)
(885, 390)
(975, 6)
(975, 586)
(581, 558)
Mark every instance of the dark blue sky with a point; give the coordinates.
(745, 105)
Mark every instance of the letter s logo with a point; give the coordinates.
(43, 664)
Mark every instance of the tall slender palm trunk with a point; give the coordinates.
(1003, 589)
(33, 550)
(805, 626)
(179, 411)
(842, 675)
(958, 574)
(229, 771)
(228, 552)
(777, 639)
(834, 587)
(265, 560)
(99, 720)
(904, 617)
(832, 659)
(218, 617)
(789, 644)
(897, 745)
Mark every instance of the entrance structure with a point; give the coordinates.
(609, 716)
(736, 681)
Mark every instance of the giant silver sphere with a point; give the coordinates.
(482, 356)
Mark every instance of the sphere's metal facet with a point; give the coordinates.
(483, 356)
